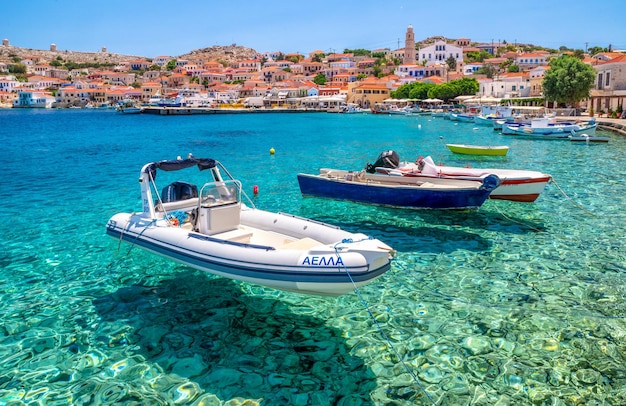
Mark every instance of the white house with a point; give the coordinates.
(410, 71)
(30, 99)
(438, 53)
(507, 85)
(528, 61)
(471, 68)
(8, 83)
(161, 60)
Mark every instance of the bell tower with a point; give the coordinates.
(409, 47)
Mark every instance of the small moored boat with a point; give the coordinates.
(369, 186)
(588, 138)
(211, 229)
(490, 150)
(516, 184)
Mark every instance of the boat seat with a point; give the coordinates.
(236, 235)
(301, 244)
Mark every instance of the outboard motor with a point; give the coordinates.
(178, 191)
(386, 159)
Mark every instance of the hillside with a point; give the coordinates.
(228, 54)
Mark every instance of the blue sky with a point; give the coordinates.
(158, 27)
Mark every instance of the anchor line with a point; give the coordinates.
(571, 200)
(380, 328)
(517, 222)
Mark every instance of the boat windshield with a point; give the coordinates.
(221, 192)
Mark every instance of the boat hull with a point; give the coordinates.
(329, 269)
(556, 131)
(398, 195)
(515, 185)
(497, 150)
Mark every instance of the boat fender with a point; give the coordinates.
(490, 182)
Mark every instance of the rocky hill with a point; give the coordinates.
(227, 54)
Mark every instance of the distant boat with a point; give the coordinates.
(544, 129)
(491, 150)
(467, 118)
(128, 106)
(588, 138)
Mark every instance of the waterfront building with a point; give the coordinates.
(368, 92)
(33, 99)
(609, 91)
(536, 80)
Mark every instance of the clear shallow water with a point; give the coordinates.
(511, 304)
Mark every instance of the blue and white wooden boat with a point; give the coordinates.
(397, 191)
(544, 129)
(211, 229)
(464, 117)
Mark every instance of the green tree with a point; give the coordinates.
(488, 70)
(357, 52)
(478, 56)
(466, 86)
(568, 80)
(171, 64)
(17, 68)
(451, 62)
(320, 79)
(513, 68)
(444, 91)
(594, 50)
(318, 57)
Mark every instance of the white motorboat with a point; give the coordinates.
(588, 138)
(211, 229)
(515, 184)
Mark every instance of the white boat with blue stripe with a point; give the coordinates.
(211, 229)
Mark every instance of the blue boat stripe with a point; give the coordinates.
(305, 274)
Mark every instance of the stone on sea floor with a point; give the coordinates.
(189, 367)
(224, 377)
(208, 399)
(476, 345)
(252, 380)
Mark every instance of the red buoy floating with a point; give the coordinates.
(255, 189)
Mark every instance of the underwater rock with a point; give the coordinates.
(476, 345)
(223, 377)
(189, 367)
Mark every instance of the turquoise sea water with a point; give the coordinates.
(513, 304)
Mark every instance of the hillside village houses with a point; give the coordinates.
(266, 80)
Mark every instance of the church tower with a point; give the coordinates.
(409, 47)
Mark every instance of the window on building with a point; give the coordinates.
(608, 81)
(600, 77)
